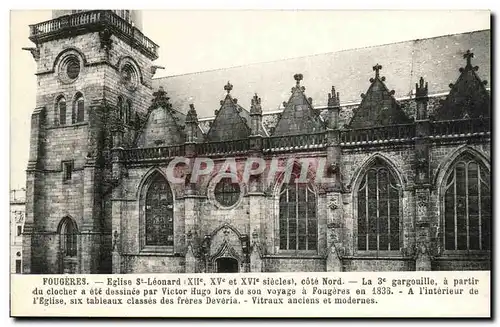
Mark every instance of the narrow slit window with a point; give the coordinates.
(67, 168)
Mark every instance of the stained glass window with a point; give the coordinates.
(298, 223)
(378, 212)
(159, 213)
(467, 206)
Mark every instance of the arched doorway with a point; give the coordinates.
(227, 265)
(68, 246)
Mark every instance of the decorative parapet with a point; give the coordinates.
(460, 128)
(290, 143)
(157, 153)
(405, 133)
(384, 135)
(377, 135)
(94, 20)
(223, 147)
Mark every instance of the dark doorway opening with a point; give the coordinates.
(227, 265)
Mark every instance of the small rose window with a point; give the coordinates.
(227, 193)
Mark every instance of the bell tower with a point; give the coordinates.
(94, 74)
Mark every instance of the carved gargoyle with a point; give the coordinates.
(154, 68)
(35, 52)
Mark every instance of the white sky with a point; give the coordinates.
(193, 41)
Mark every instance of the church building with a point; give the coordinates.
(402, 130)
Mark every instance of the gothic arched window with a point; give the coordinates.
(378, 210)
(298, 222)
(467, 206)
(61, 110)
(69, 237)
(159, 213)
(78, 109)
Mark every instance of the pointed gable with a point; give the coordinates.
(468, 97)
(231, 121)
(298, 117)
(378, 107)
(164, 126)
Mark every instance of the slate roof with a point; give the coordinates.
(436, 59)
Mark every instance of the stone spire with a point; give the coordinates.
(333, 109)
(192, 116)
(256, 115)
(333, 98)
(421, 92)
(191, 124)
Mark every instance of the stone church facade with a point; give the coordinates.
(408, 175)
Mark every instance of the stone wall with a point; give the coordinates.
(378, 265)
(277, 264)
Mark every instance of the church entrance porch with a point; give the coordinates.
(226, 265)
(227, 250)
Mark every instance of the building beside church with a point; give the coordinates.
(17, 214)
(407, 162)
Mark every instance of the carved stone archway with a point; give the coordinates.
(227, 251)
